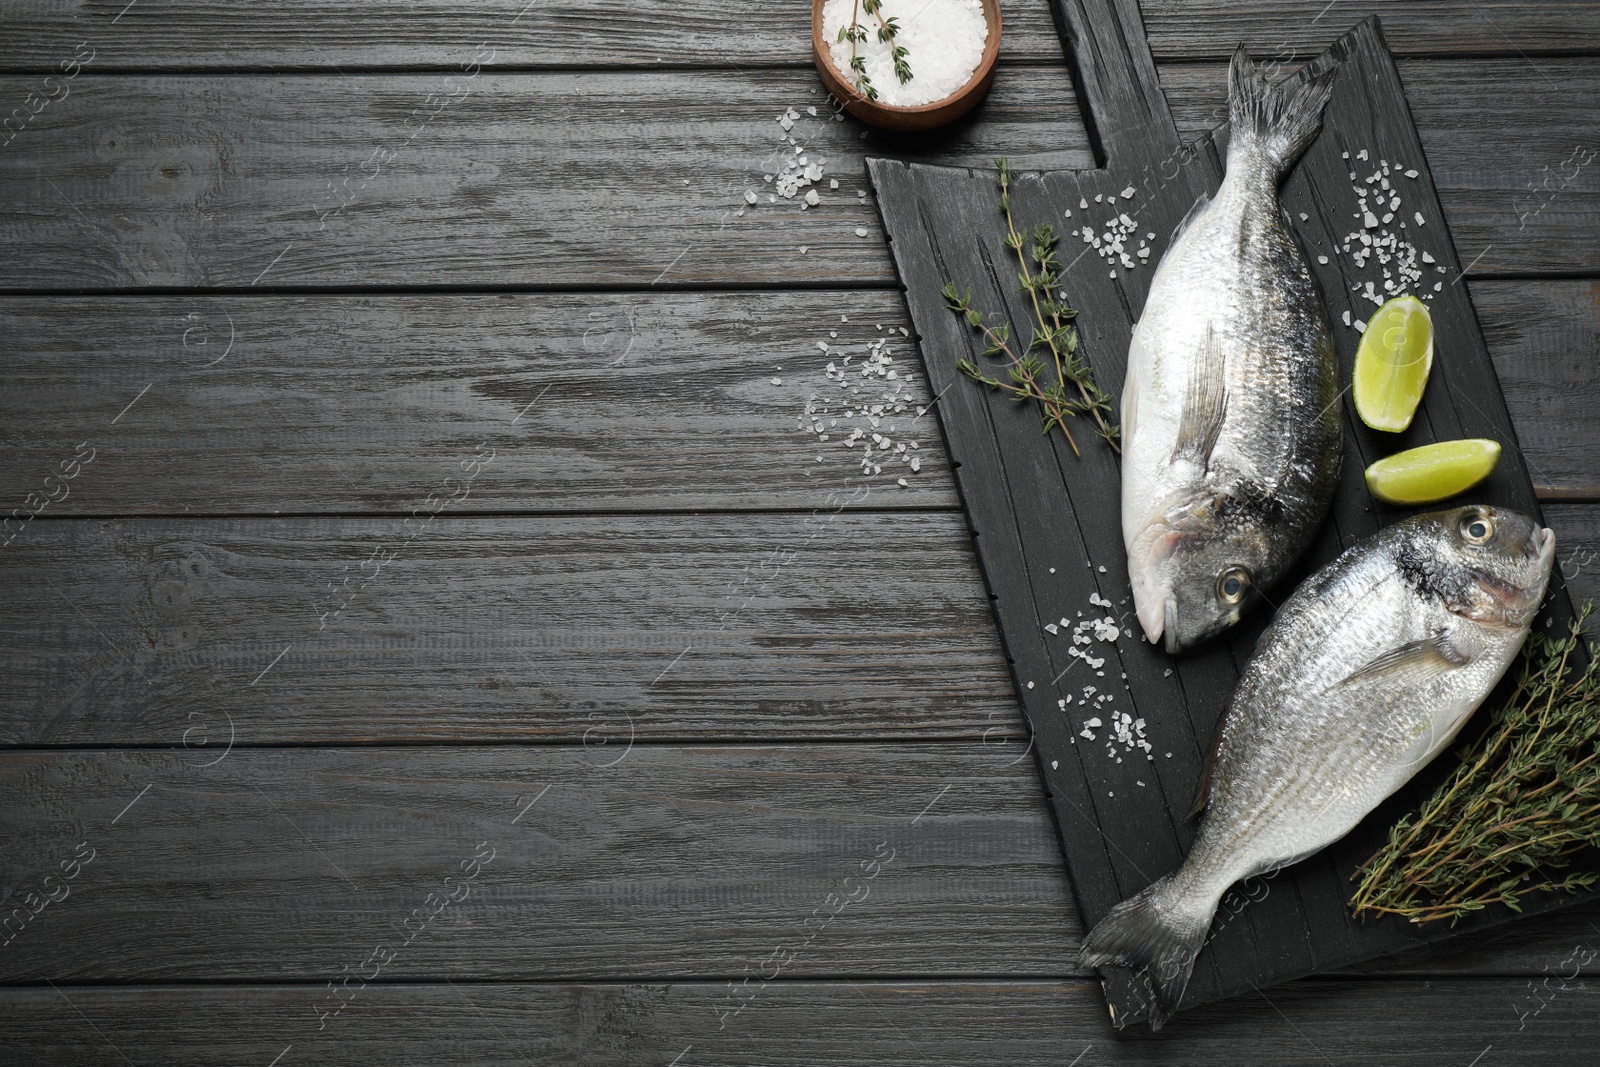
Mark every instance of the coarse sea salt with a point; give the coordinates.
(871, 394)
(943, 39)
(1396, 257)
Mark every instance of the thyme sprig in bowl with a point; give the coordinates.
(851, 84)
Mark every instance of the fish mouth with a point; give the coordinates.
(1514, 603)
(1170, 627)
(1155, 614)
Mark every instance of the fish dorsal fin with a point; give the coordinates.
(1201, 203)
(1413, 663)
(1205, 401)
(1202, 792)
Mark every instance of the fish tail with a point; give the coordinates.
(1160, 931)
(1281, 119)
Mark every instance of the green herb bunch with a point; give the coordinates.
(1524, 801)
(888, 31)
(1072, 391)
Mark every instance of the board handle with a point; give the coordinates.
(1125, 112)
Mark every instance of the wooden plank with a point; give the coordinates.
(669, 863)
(1194, 29)
(556, 630)
(322, 34)
(284, 864)
(1543, 341)
(820, 625)
(552, 34)
(856, 1021)
(559, 180)
(1535, 116)
(1035, 505)
(1115, 78)
(641, 402)
(622, 401)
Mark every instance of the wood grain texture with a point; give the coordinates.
(1192, 29)
(668, 862)
(613, 401)
(626, 179)
(593, 630)
(1035, 506)
(1535, 116)
(191, 35)
(1544, 342)
(799, 1023)
(640, 402)
(151, 632)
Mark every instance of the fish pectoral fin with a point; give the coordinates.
(1413, 663)
(1205, 402)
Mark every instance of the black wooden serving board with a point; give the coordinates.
(1047, 523)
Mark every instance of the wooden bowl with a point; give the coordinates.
(924, 116)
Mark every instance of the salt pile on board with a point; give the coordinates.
(874, 399)
(1115, 243)
(943, 40)
(1126, 733)
(1379, 206)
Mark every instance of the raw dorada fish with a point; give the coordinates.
(1230, 419)
(1368, 670)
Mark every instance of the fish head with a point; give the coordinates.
(1494, 563)
(1198, 567)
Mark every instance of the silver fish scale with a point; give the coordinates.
(1302, 759)
(1235, 287)
(1238, 271)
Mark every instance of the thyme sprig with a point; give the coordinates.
(1073, 391)
(888, 32)
(1524, 801)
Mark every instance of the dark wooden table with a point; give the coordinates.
(437, 641)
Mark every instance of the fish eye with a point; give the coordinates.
(1232, 584)
(1477, 529)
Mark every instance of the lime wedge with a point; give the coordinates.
(1392, 364)
(1433, 472)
